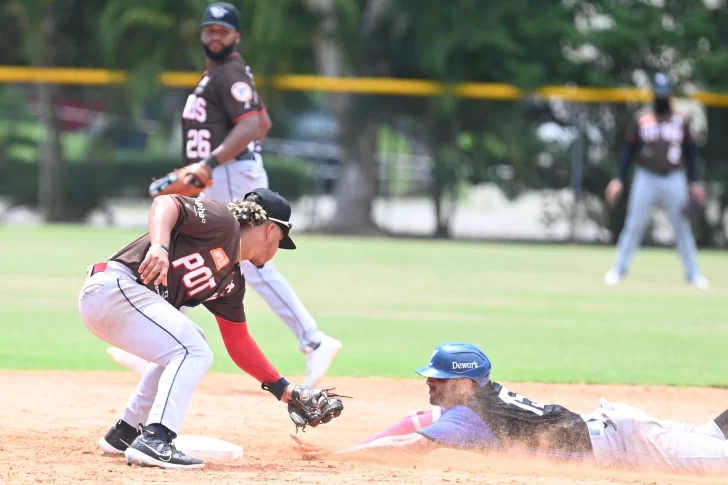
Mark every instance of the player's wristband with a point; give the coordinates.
(276, 388)
(211, 162)
(161, 246)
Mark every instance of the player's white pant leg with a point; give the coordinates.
(273, 287)
(231, 181)
(674, 195)
(642, 197)
(634, 439)
(123, 313)
(710, 428)
(140, 403)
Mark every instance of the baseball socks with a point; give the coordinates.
(119, 437)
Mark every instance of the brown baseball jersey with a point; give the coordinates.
(661, 139)
(203, 266)
(222, 98)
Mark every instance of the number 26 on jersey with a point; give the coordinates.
(198, 144)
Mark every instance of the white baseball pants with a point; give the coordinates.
(634, 439)
(649, 189)
(118, 310)
(231, 181)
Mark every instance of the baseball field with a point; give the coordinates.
(553, 331)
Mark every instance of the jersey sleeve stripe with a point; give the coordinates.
(224, 320)
(249, 113)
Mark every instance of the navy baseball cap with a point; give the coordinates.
(278, 210)
(456, 360)
(221, 13)
(662, 85)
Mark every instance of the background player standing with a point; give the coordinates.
(223, 122)
(666, 156)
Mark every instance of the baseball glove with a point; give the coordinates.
(188, 181)
(692, 210)
(311, 407)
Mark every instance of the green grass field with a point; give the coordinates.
(541, 313)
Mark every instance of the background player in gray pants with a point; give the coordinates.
(223, 121)
(666, 173)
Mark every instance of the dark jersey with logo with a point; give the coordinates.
(497, 418)
(517, 419)
(223, 97)
(203, 266)
(661, 141)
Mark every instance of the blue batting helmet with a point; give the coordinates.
(455, 360)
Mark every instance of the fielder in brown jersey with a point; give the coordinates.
(203, 259)
(190, 256)
(662, 146)
(225, 96)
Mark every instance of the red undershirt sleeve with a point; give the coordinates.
(247, 355)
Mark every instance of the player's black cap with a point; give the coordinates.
(662, 85)
(278, 210)
(221, 13)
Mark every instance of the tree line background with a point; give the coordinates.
(525, 43)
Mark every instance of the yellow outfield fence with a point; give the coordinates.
(381, 86)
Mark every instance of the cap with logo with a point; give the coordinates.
(455, 360)
(221, 13)
(662, 85)
(278, 210)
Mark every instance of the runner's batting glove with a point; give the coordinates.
(311, 407)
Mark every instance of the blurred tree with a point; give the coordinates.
(342, 41)
(471, 41)
(145, 38)
(711, 73)
(149, 37)
(49, 33)
(456, 41)
(625, 47)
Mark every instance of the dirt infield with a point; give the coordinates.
(50, 422)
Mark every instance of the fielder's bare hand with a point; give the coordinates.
(155, 266)
(613, 191)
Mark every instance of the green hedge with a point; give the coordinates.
(87, 184)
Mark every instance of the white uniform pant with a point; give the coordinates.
(231, 181)
(118, 310)
(634, 439)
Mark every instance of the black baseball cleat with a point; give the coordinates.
(119, 438)
(154, 447)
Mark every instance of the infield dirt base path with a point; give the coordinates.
(50, 422)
